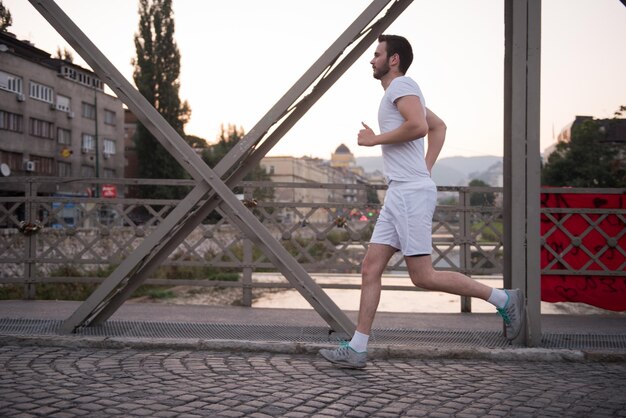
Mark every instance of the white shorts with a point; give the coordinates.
(406, 219)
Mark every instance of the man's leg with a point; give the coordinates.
(353, 354)
(509, 303)
(374, 264)
(423, 275)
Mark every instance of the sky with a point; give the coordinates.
(239, 57)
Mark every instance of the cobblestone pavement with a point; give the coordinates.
(70, 382)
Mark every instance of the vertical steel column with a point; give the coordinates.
(246, 274)
(533, 174)
(30, 217)
(247, 258)
(465, 251)
(522, 158)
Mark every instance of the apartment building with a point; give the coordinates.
(612, 131)
(55, 120)
(288, 169)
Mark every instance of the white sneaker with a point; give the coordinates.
(345, 356)
(513, 313)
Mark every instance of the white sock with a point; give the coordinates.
(498, 298)
(359, 342)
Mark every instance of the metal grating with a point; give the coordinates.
(453, 338)
(177, 330)
(584, 341)
(296, 334)
(29, 327)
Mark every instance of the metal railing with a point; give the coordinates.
(68, 236)
(584, 232)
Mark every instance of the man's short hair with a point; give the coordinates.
(401, 46)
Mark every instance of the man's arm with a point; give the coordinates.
(414, 125)
(436, 137)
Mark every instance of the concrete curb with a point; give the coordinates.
(281, 347)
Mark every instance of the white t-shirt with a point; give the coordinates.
(404, 161)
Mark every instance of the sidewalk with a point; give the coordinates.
(191, 361)
(396, 335)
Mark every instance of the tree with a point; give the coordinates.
(156, 75)
(5, 18)
(589, 159)
(481, 198)
(372, 196)
(65, 54)
(196, 142)
(226, 140)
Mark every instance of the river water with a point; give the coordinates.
(399, 301)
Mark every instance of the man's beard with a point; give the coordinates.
(378, 74)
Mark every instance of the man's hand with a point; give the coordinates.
(414, 125)
(367, 137)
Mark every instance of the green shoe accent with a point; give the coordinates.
(513, 313)
(345, 356)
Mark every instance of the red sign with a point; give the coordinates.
(109, 190)
(594, 242)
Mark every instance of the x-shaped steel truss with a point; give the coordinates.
(214, 186)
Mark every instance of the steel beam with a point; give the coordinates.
(118, 283)
(522, 158)
(171, 241)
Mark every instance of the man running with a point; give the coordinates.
(405, 222)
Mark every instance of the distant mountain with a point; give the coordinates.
(459, 171)
(493, 175)
(451, 171)
(446, 175)
(370, 164)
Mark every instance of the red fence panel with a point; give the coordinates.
(583, 251)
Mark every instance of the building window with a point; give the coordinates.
(64, 136)
(11, 121)
(89, 111)
(63, 103)
(68, 72)
(109, 173)
(10, 82)
(41, 92)
(87, 171)
(109, 117)
(41, 128)
(43, 165)
(109, 146)
(81, 77)
(13, 159)
(88, 143)
(64, 169)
